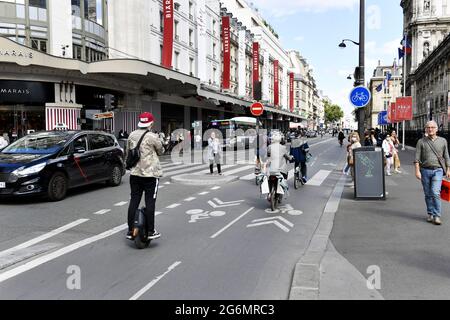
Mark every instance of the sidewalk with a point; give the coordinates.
(413, 255)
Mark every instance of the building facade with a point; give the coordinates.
(427, 25)
(59, 59)
(389, 93)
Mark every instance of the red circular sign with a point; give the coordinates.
(257, 109)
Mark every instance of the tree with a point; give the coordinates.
(333, 112)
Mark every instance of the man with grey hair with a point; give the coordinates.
(432, 162)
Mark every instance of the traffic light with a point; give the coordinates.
(110, 101)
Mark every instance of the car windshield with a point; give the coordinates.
(39, 143)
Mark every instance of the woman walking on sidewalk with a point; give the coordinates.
(432, 162)
(214, 153)
(354, 144)
(389, 151)
(396, 143)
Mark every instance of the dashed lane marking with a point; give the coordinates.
(173, 206)
(101, 212)
(190, 199)
(121, 204)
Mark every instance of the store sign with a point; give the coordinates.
(26, 92)
(226, 52)
(276, 83)
(16, 53)
(105, 115)
(168, 21)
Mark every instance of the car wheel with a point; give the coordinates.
(115, 178)
(57, 187)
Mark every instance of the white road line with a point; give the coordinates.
(51, 256)
(170, 164)
(223, 168)
(215, 188)
(203, 193)
(192, 168)
(173, 206)
(157, 213)
(101, 212)
(249, 177)
(154, 281)
(160, 187)
(229, 173)
(178, 166)
(319, 178)
(121, 204)
(190, 199)
(167, 183)
(44, 237)
(231, 223)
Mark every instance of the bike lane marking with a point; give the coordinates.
(231, 223)
(141, 292)
(44, 237)
(58, 253)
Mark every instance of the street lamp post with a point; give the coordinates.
(360, 74)
(362, 40)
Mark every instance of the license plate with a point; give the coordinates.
(2, 185)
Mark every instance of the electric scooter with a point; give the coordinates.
(140, 232)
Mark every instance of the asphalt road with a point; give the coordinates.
(214, 245)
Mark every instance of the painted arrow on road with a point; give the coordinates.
(267, 221)
(220, 204)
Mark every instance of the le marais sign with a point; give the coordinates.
(16, 53)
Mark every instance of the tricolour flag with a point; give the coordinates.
(406, 45)
(379, 88)
(401, 53)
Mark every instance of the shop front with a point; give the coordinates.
(23, 106)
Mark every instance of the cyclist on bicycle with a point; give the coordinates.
(300, 150)
(341, 138)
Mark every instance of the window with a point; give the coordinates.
(76, 8)
(93, 10)
(39, 44)
(176, 30)
(214, 27)
(214, 51)
(161, 52)
(38, 3)
(77, 52)
(177, 58)
(190, 11)
(80, 143)
(191, 40)
(191, 66)
(161, 21)
(176, 6)
(99, 141)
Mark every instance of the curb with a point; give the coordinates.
(202, 180)
(306, 280)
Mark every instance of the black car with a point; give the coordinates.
(50, 163)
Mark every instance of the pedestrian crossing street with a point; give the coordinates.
(245, 170)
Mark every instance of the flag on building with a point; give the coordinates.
(406, 45)
(401, 53)
(387, 79)
(379, 88)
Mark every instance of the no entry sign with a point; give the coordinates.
(257, 109)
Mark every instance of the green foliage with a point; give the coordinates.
(333, 112)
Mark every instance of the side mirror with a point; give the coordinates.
(79, 150)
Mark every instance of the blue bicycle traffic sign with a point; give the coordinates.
(360, 97)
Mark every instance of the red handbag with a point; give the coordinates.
(445, 190)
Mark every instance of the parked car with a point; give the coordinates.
(311, 134)
(49, 163)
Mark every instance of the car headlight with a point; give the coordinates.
(24, 172)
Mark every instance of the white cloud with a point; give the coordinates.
(293, 6)
(299, 38)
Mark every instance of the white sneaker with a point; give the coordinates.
(398, 171)
(388, 174)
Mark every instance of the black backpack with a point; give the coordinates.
(134, 155)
